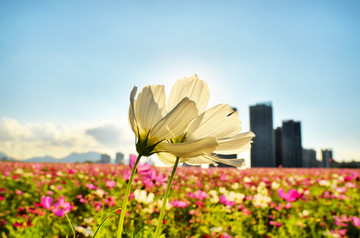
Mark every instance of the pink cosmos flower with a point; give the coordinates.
(110, 201)
(342, 221)
(141, 168)
(291, 196)
(341, 232)
(81, 199)
(225, 235)
(356, 221)
(223, 177)
(275, 223)
(180, 204)
(341, 189)
(110, 184)
(91, 186)
(127, 174)
(326, 194)
(226, 202)
(19, 192)
(201, 195)
(46, 202)
(98, 206)
(59, 208)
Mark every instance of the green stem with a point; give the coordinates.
(97, 230)
(123, 209)
(72, 229)
(162, 212)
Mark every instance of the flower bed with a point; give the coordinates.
(214, 202)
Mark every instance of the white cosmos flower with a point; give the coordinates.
(142, 196)
(152, 124)
(220, 124)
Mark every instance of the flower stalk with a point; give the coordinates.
(126, 198)
(162, 211)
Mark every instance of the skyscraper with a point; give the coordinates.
(291, 147)
(104, 159)
(119, 158)
(278, 147)
(309, 158)
(326, 155)
(261, 123)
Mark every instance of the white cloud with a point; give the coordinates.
(27, 140)
(108, 135)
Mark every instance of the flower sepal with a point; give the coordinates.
(144, 149)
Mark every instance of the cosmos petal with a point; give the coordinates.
(193, 88)
(176, 121)
(166, 158)
(147, 111)
(235, 144)
(202, 159)
(189, 149)
(158, 92)
(219, 121)
(132, 118)
(211, 159)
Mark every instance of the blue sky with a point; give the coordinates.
(67, 67)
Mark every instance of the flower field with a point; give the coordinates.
(213, 202)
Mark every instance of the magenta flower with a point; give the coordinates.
(59, 208)
(141, 168)
(110, 201)
(356, 221)
(46, 202)
(225, 235)
(180, 204)
(82, 200)
(201, 195)
(341, 232)
(226, 202)
(291, 196)
(91, 186)
(110, 184)
(275, 223)
(223, 177)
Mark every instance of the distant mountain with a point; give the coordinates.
(5, 157)
(76, 157)
(72, 158)
(44, 159)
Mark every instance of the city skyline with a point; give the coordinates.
(67, 69)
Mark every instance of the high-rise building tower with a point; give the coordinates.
(326, 157)
(119, 158)
(278, 147)
(261, 123)
(105, 159)
(291, 147)
(309, 158)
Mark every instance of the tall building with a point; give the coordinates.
(261, 123)
(119, 158)
(105, 159)
(309, 158)
(326, 155)
(291, 148)
(278, 147)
